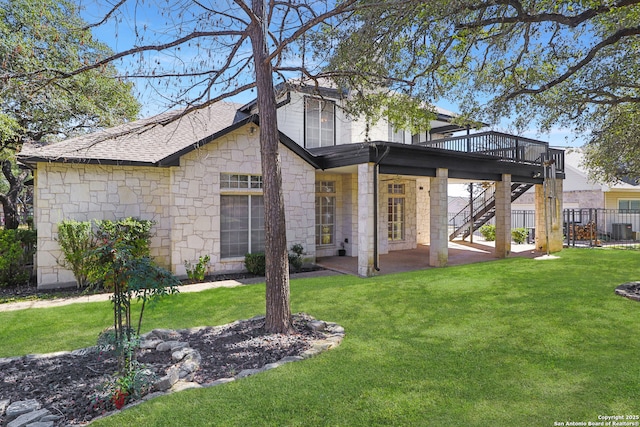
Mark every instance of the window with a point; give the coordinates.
(629, 205)
(319, 123)
(396, 135)
(240, 181)
(325, 212)
(241, 216)
(395, 216)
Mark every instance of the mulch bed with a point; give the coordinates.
(67, 384)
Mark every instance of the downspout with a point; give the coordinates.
(376, 267)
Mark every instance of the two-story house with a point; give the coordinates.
(367, 190)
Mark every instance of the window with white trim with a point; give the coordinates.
(228, 180)
(629, 205)
(395, 213)
(319, 122)
(241, 215)
(396, 135)
(325, 212)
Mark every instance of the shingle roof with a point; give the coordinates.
(143, 141)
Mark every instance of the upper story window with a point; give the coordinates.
(396, 135)
(320, 127)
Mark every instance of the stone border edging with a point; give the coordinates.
(624, 290)
(29, 412)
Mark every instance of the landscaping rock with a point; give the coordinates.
(166, 334)
(4, 404)
(184, 385)
(166, 382)
(247, 372)
(180, 354)
(41, 424)
(171, 345)
(29, 418)
(317, 325)
(150, 344)
(185, 367)
(21, 407)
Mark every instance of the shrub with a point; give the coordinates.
(128, 277)
(16, 253)
(76, 240)
(295, 258)
(134, 232)
(255, 263)
(519, 235)
(196, 272)
(488, 231)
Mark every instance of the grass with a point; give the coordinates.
(504, 343)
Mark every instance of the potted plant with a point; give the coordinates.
(342, 251)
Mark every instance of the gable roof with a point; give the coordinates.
(574, 161)
(147, 142)
(143, 142)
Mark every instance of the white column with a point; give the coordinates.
(438, 221)
(366, 224)
(549, 217)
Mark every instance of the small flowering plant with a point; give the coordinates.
(119, 398)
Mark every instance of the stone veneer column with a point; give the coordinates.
(553, 210)
(366, 214)
(503, 217)
(438, 221)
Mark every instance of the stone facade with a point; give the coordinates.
(195, 213)
(84, 192)
(438, 221)
(184, 202)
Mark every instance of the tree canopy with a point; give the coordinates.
(561, 64)
(39, 39)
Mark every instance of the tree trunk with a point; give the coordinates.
(278, 311)
(10, 200)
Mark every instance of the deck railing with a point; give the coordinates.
(502, 146)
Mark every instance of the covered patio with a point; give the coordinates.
(460, 252)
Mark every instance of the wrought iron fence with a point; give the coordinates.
(519, 219)
(602, 227)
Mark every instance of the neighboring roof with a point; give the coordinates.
(143, 142)
(574, 159)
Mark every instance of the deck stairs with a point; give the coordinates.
(483, 209)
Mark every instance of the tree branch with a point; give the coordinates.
(614, 38)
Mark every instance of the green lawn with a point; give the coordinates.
(506, 343)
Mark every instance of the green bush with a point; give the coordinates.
(488, 231)
(295, 257)
(134, 232)
(16, 256)
(255, 263)
(79, 241)
(76, 240)
(519, 235)
(197, 272)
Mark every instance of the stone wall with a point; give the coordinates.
(83, 192)
(184, 202)
(195, 213)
